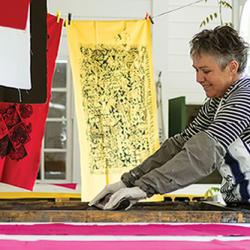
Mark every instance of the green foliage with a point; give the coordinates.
(217, 14)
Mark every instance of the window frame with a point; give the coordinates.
(68, 150)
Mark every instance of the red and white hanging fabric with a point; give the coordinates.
(38, 69)
(22, 125)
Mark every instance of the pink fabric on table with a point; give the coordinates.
(150, 229)
(124, 245)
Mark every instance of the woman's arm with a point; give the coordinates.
(172, 146)
(204, 151)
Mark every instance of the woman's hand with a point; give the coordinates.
(109, 189)
(133, 194)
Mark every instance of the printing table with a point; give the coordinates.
(149, 212)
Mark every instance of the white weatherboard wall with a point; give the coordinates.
(171, 35)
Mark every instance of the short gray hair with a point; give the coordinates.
(224, 43)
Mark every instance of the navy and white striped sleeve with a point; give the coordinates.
(232, 119)
(203, 119)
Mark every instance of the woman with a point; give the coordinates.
(218, 138)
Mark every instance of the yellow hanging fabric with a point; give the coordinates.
(115, 98)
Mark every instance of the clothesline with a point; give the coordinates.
(66, 17)
(181, 7)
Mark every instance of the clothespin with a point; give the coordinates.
(58, 16)
(68, 21)
(65, 23)
(151, 19)
(147, 16)
(69, 18)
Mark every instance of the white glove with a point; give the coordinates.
(133, 194)
(109, 189)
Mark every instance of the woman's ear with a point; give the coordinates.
(233, 66)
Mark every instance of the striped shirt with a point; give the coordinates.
(232, 120)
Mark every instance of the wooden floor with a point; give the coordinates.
(149, 212)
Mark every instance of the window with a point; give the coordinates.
(57, 144)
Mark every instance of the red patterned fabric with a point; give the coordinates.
(14, 13)
(22, 125)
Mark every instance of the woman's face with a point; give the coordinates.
(214, 80)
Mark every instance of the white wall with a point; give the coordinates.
(237, 9)
(171, 36)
